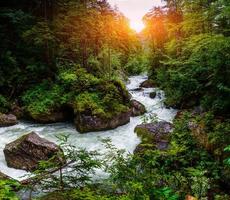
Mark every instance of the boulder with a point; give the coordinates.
(137, 108)
(7, 120)
(87, 123)
(147, 84)
(155, 133)
(152, 95)
(26, 152)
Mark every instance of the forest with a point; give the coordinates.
(67, 68)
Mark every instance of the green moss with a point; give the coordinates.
(89, 102)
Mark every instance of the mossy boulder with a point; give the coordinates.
(137, 108)
(107, 107)
(154, 135)
(88, 123)
(26, 152)
(7, 120)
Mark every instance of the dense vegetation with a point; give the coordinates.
(68, 53)
(51, 52)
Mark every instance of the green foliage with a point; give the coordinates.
(105, 102)
(227, 160)
(200, 72)
(89, 102)
(7, 189)
(44, 98)
(75, 171)
(185, 168)
(137, 64)
(77, 80)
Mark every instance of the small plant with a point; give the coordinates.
(7, 189)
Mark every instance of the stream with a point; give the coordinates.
(122, 137)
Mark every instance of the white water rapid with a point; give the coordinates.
(122, 137)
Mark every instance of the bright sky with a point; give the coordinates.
(135, 10)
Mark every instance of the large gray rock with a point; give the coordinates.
(87, 123)
(7, 120)
(155, 133)
(26, 152)
(137, 108)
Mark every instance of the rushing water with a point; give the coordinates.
(122, 137)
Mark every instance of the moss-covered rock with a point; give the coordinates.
(153, 135)
(88, 123)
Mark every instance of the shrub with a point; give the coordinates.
(44, 98)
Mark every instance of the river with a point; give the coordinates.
(122, 137)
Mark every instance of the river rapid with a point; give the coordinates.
(122, 137)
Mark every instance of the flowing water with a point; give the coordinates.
(122, 137)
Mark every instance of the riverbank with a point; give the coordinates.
(122, 137)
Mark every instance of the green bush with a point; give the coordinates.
(44, 98)
(199, 74)
(137, 64)
(77, 80)
(7, 188)
(89, 103)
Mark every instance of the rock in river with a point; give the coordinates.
(147, 84)
(152, 95)
(26, 152)
(7, 120)
(137, 108)
(87, 123)
(155, 133)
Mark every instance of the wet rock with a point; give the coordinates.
(26, 152)
(147, 84)
(7, 120)
(137, 108)
(154, 134)
(152, 95)
(87, 123)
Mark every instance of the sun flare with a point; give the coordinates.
(138, 26)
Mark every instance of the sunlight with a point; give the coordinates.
(138, 26)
